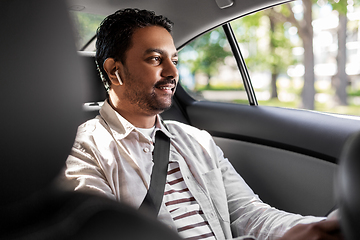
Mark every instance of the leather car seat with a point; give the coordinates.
(348, 188)
(42, 88)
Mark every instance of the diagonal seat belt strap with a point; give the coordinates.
(155, 194)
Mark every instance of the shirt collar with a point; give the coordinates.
(122, 127)
(159, 125)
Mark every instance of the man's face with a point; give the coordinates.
(149, 74)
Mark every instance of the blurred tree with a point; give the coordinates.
(264, 48)
(280, 57)
(340, 79)
(85, 25)
(211, 52)
(305, 31)
(277, 55)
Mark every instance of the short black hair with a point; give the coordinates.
(115, 32)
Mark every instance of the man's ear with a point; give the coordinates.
(111, 68)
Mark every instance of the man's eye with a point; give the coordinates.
(154, 60)
(157, 59)
(175, 62)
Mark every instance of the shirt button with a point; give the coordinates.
(146, 150)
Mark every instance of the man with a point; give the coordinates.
(204, 197)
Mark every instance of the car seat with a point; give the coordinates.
(348, 188)
(43, 86)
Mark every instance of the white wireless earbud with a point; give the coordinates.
(118, 77)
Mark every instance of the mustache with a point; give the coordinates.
(165, 81)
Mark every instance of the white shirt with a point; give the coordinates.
(103, 160)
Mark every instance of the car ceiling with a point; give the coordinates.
(191, 17)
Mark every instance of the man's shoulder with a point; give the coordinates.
(179, 127)
(92, 129)
(186, 134)
(90, 125)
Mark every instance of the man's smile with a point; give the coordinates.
(167, 86)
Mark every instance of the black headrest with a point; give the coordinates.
(349, 188)
(97, 92)
(41, 92)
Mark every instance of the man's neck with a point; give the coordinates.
(136, 117)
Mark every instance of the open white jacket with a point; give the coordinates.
(100, 162)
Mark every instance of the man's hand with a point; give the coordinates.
(324, 230)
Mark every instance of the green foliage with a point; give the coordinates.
(210, 53)
(266, 44)
(266, 39)
(223, 87)
(86, 25)
(262, 36)
(354, 93)
(340, 6)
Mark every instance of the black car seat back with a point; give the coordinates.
(348, 188)
(43, 86)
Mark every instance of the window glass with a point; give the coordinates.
(85, 25)
(208, 70)
(288, 66)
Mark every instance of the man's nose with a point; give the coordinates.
(170, 70)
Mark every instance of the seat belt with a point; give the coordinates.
(155, 194)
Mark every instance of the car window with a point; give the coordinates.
(85, 25)
(208, 70)
(274, 45)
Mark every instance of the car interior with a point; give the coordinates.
(299, 161)
(265, 144)
(42, 107)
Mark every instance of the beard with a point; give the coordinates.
(146, 101)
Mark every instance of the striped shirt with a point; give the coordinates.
(184, 209)
(188, 217)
